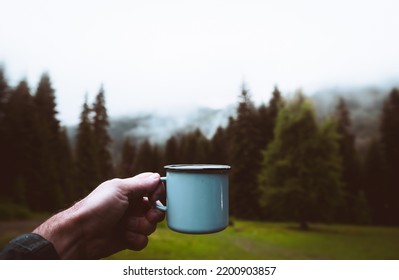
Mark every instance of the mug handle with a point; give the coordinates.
(157, 204)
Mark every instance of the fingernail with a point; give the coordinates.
(155, 177)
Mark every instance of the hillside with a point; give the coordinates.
(364, 105)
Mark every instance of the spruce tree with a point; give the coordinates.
(350, 211)
(22, 138)
(245, 160)
(4, 151)
(390, 145)
(48, 147)
(126, 166)
(144, 161)
(87, 170)
(301, 168)
(194, 147)
(275, 104)
(266, 118)
(376, 183)
(171, 151)
(4, 95)
(157, 160)
(219, 147)
(102, 138)
(66, 170)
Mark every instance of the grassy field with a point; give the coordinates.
(257, 240)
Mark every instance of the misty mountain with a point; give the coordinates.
(364, 105)
(158, 128)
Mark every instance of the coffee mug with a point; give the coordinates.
(197, 197)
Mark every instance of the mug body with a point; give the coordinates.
(197, 198)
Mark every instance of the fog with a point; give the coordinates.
(157, 56)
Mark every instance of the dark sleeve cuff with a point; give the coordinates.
(30, 246)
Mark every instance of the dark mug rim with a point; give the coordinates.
(198, 168)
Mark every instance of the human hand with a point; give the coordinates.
(117, 215)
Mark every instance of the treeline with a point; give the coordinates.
(286, 163)
(40, 171)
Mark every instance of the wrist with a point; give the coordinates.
(64, 231)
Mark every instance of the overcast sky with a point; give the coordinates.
(157, 55)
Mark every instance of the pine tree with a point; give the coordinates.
(144, 161)
(267, 118)
(102, 138)
(66, 170)
(48, 147)
(157, 160)
(390, 145)
(219, 147)
(171, 151)
(4, 151)
(87, 170)
(376, 183)
(245, 160)
(4, 94)
(194, 147)
(22, 138)
(300, 175)
(264, 126)
(126, 166)
(353, 192)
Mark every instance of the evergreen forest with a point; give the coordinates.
(287, 163)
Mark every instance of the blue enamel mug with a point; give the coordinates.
(197, 197)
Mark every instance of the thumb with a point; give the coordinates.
(140, 185)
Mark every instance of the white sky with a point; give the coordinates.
(157, 55)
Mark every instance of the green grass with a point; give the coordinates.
(259, 240)
(255, 240)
